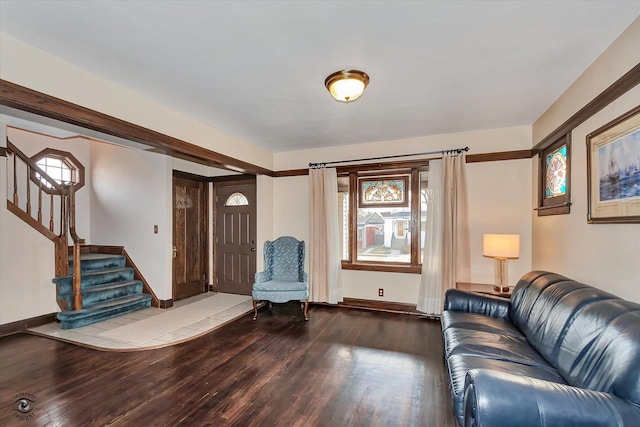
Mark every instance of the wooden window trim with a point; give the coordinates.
(352, 263)
(66, 157)
(559, 205)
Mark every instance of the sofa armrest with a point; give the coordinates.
(470, 302)
(503, 399)
(261, 277)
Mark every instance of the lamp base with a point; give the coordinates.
(501, 275)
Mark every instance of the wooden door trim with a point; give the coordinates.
(204, 228)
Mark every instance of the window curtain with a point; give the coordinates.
(447, 257)
(325, 275)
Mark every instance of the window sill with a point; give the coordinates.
(382, 267)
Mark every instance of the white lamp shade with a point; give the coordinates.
(501, 245)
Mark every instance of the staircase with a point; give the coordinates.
(108, 290)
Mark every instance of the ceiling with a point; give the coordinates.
(256, 69)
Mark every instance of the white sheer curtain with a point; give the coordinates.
(446, 248)
(429, 299)
(325, 275)
(456, 258)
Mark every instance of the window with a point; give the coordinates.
(554, 196)
(382, 216)
(237, 199)
(61, 166)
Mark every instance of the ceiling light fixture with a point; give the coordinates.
(347, 85)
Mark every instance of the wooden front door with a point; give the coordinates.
(189, 237)
(235, 246)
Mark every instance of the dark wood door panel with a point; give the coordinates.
(189, 237)
(236, 236)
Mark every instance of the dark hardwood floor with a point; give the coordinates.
(343, 367)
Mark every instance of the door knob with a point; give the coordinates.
(175, 251)
(253, 249)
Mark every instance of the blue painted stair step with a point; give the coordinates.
(108, 290)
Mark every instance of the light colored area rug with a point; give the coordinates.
(223, 307)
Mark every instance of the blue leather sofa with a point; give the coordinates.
(558, 353)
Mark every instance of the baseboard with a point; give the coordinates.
(22, 325)
(382, 306)
(166, 303)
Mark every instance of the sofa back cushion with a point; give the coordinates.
(591, 337)
(527, 292)
(600, 349)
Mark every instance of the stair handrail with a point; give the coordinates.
(12, 149)
(68, 218)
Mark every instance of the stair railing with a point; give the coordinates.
(23, 177)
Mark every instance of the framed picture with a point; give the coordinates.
(554, 182)
(383, 191)
(613, 171)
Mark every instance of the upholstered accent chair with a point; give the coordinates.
(283, 278)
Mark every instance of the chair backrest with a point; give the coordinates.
(284, 259)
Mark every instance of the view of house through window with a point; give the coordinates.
(382, 228)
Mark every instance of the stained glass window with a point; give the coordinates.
(387, 191)
(554, 177)
(556, 169)
(237, 199)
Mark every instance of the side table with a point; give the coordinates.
(483, 288)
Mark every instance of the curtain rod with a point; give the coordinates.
(443, 152)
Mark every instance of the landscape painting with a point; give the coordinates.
(613, 169)
(619, 171)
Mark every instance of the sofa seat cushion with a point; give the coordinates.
(459, 365)
(275, 285)
(478, 322)
(507, 347)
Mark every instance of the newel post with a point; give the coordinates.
(77, 245)
(77, 278)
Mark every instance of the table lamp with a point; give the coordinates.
(501, 247)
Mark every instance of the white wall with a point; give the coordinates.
(499, 202)
(603, 255)
(132, 192)
(265, 211)
(26, 260)
(27, 257)
(27, 66)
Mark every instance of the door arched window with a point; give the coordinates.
(237, 199)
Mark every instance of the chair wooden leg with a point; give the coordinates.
(306, 307)
(255, 309)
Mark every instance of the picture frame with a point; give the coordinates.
(383, 192)
(554, 178)
(613, 171)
